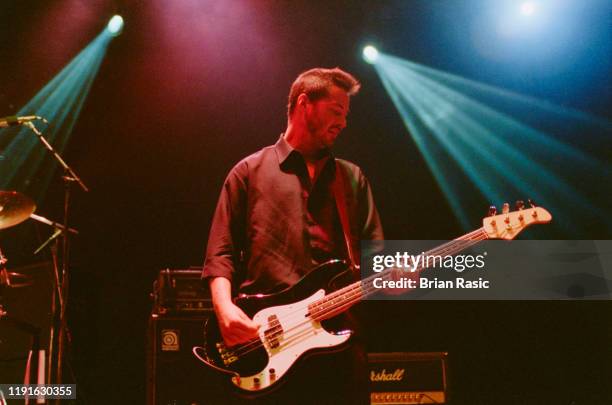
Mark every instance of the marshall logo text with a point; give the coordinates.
(397, 375)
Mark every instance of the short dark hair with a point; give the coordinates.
(315, 83)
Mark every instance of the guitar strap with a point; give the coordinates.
(340, 197)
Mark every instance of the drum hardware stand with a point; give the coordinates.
(62, 283)
(35, 365)
(59, 228)
(56, 296)
(4, 280)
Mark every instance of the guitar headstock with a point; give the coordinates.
(509, 224)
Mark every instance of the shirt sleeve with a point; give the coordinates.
(227, 232)
(370, 227)
(369, 220)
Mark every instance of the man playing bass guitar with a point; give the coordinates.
(278, 217)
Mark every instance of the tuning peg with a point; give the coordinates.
(532, 203)
(492, 210)
(520, 204)
(506, 208)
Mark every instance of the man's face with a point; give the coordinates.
(326, 117)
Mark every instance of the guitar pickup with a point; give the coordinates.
(274, 331)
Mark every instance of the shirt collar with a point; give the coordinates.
(284, 150)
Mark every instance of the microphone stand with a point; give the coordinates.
(69, 177)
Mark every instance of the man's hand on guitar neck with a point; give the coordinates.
(236, 327)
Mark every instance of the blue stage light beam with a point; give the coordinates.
(25, 165)
(470, 146)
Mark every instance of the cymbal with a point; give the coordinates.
(15, 207)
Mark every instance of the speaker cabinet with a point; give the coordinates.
(174, 375)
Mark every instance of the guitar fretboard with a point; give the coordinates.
(344, 298)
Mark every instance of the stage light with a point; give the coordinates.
(370, 54)
(115, 25)
(25, 165)
(528, 8)
(482, 145)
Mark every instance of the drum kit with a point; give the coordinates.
(15, 208)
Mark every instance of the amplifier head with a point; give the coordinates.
(407, 378)
(178, 292)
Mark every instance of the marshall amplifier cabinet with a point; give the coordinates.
(408, 378)
(179, 292)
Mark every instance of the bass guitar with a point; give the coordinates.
(294, 320)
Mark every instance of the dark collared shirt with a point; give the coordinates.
(272, 226)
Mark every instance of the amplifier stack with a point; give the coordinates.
(181, 305)
(174, 376)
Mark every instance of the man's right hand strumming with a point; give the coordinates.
(236, 327)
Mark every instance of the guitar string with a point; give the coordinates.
(480, 234)
(450, 247)
(355, 292)
(354, 296)
(338, 293)
(341, 294)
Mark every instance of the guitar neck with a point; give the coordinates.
(341, 300)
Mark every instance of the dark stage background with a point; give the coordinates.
(191, 87)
